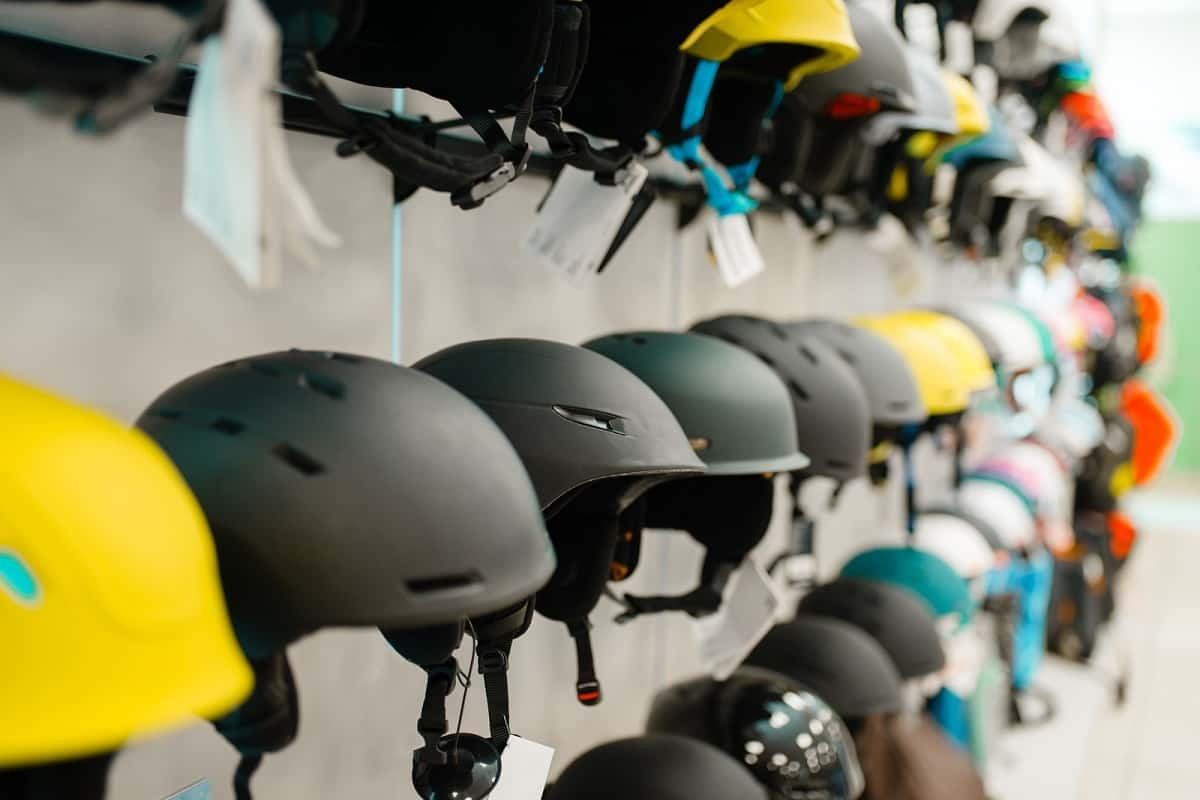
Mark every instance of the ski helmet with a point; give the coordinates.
(789, 738)
(832, 416)
(655, 767)
(104, 554)
(924, 574)
(593, 436)
(1003, 505)
(945, 392)
(893, 616)
(837, 661)
(743, 427)
(893, 397)
(297, 460)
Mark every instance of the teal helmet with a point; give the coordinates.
(740, 419)
(924, 574)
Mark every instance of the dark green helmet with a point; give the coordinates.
(739, 417)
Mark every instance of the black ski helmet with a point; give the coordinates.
(789, 738)
(891, 388)
(593, 436)
(833, 421)
(837, 661)
(655, 767)
(298, 461)
(817, 142)
(894, 617)
(738, 416)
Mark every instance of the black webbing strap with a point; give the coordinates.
(432, 725)
(587, 685)
(403, 154)
(493, 666)
(247, 766)
(705, 599)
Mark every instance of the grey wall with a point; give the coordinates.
(108, 295)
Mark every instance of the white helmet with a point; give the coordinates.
(1004, 509)
(1053, 478)
(1074, 427)
(993, 18)
(1032, 180)
(1019, 346)
(956, 541)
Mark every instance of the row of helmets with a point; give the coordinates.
(824, 102)
(293, 474)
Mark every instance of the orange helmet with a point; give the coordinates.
(1155, 429)
(1087, 112)
(1122, 533)
(1151, 310)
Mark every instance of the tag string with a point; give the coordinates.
(465, 681)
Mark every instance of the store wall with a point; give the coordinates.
(108, 295)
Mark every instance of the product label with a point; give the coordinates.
(749, 606)
(200, 790)
(733, 245)
(580, 218)
(524, 770)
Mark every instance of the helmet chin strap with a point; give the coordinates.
(268, 721)
(705, 599)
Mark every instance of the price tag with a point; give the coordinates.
(891, 240)
(733, 244)
(239, 187)
(200, 790)
(524, 770)
(749, 606)
(579, 219)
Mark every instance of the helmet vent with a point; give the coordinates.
(164, 413)
(261, 368)
(779, 332)
(798, 390)
(847, 356)
(345, 358)
(298, 460)
(639, 340)
(443, 583)
(836, 463)
(898, 405)
(812, 358)
(230, 427)
(322, 384)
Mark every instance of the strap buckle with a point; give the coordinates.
(588, 692)
(492, 660)
(474, 195)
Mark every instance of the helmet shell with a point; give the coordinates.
(832, 417)
(944, 391)
(956, 541)
(811, 25)
(970, 112)
(300, 462)
(933, 109)
(655, 767)
(575, 417)
(890, 385)
(892, 616)
(788, 738)
(993, 18)
(970, 356)
(742, 424)
(924, 574)
(998, 144)
(1003, 506)
(836, 660)
(104, 555)
(882, 73)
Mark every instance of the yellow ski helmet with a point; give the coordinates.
(111, 609)
(943, 391)
(970, 356)
(739, 24)
(969, 109)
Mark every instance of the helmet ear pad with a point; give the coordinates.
(426, 647)
(585, 541)
(269, 719)
(727, 514)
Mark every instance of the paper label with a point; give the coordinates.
(239, 187)
(733, 245)
(579, 219)
(524, 770)
(903, 257)
(200, 790)
(749, 606)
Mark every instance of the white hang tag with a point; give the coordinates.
(524, 770)
(239, 188)
(579, 218)
(200, 790)
(733, 245)
(749, 606)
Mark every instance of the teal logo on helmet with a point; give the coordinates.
(17, 579)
